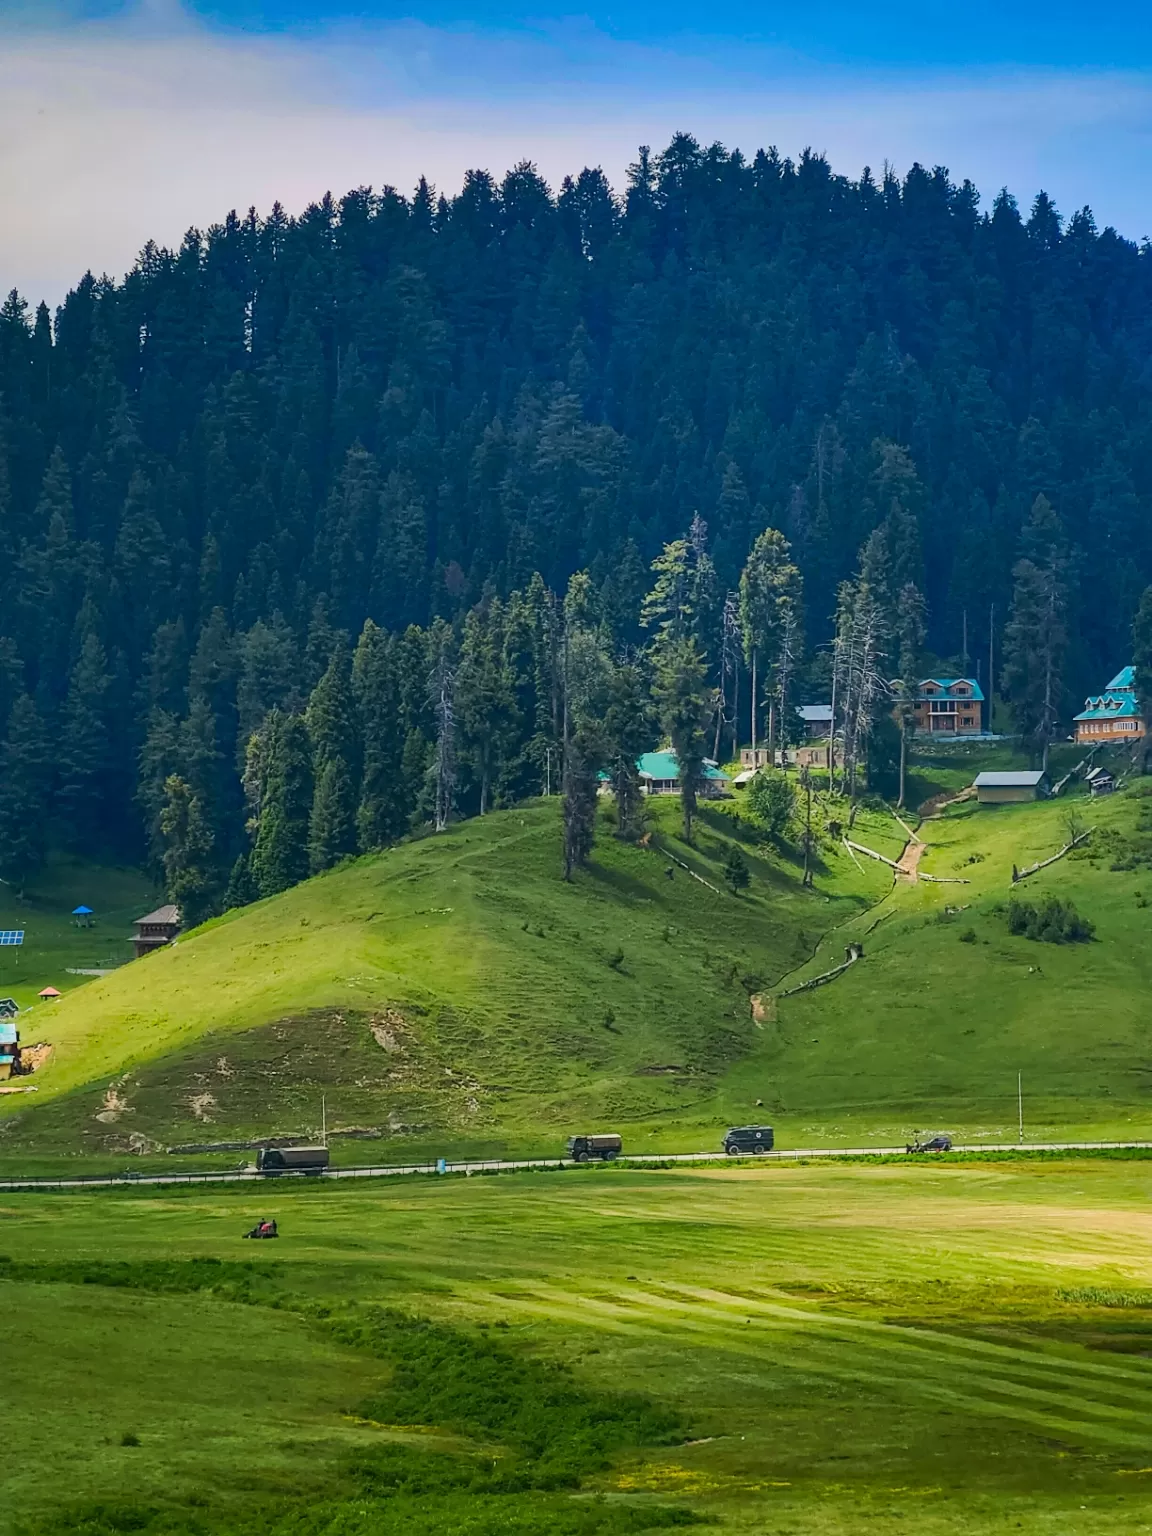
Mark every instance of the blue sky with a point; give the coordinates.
(122, 120)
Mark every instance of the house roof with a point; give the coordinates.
(1024, 779)
(162, 915)
(49, 992)
(815, 714)
(948, 683)
(7, 1032)
(82, 912)
(1109, 706)
(663, 765)
(1124, 679)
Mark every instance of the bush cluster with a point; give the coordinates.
(1053, 921)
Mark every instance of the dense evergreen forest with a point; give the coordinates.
(289, 517)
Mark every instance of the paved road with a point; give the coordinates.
(236, 1176)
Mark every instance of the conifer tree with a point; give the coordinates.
(1142, 658)
(384, 809)
(485, 701)
(1036, 636)
(280, 855)
(334, 735)
(769, 609)
(683, 699)
(84, 753)
(25, 791)
(189, 875)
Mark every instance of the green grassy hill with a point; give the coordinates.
(930, 1030)
(451, 993)
(455, 996)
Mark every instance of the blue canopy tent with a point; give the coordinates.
(83, 916)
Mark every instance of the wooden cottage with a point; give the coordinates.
(1010, 788)
(156, 930)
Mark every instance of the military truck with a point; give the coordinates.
(582, 1149)
(749, 1140)
(292, 1159)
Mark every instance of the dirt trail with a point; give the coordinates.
(909, 862)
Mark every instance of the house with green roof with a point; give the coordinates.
(948, 706)
(1113, 716)
(660, 775)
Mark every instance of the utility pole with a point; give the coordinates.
(964, 645)
(1020, 1103)
(323, 1120)
(806, 780)
(991, 661)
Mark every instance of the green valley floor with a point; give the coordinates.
(957, 1346)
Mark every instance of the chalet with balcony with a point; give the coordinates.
(948, 706)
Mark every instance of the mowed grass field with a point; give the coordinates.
(939, 1347)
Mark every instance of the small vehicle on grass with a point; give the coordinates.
(749, 1140)
(263, 1229)
(584, 1149)
(939, 1143)
(274, 1160)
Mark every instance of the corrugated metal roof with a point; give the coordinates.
(1106, 706)
(663, 765)
(1024, 779)
(1125, 678)
(7, 1032)
(816, 713)
(948, 683)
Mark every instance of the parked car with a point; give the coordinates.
(749, 1140)
(292, 1159)
(935, 1144)
(582, 1149)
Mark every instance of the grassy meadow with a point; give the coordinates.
(947, 1347)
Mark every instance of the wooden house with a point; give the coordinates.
(1112, 717)
(1010, 788)
(156, 930)
(948, 706)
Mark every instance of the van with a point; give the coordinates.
(582, 1149)
(748, 1140)
(292, 1159)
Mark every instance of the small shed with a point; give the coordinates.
(1010, 788)
(1100, 781)
(49, 995)
(9, 1049)
(9, 1008)
(156, 930)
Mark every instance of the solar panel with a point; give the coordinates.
(11, 935)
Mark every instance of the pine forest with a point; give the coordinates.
(318, 529)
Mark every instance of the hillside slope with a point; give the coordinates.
(453, 991)
(930, 1030)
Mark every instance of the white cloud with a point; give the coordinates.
(116, 133)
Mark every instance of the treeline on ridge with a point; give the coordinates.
(399, 410)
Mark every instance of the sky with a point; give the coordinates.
(128, 120)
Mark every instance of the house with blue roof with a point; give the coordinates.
(948, 706)
(660, 775)
(1112, 716)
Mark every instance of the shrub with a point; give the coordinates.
(771, 798)
(1052, 922)
(968, 936)
(736, 871)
